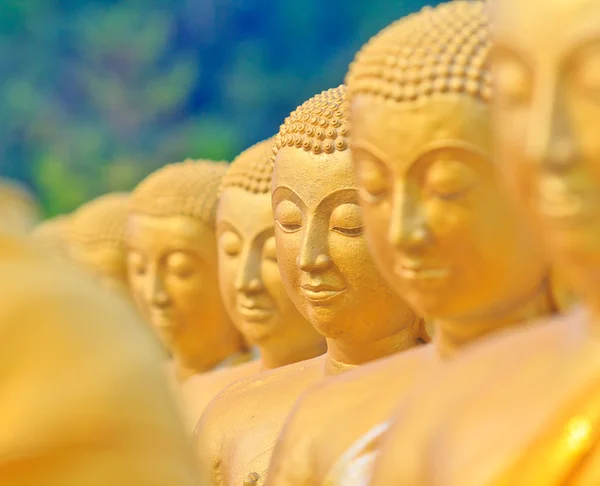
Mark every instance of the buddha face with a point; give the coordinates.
(441, 230)
(249, 277)
(173, 276)
(322, 253)
(547, 107)
(107, 264)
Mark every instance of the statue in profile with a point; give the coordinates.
(95, 235)
(330, 277)
(249, 279)
(172, 266)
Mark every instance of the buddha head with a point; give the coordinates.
(546, 63)
(95, 235)
(249, 277)
(19, 210)
(440, 227)
(52, 234)
(323, 257)
(172, 258)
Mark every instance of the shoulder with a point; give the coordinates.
(358, 384)
(248, 392)
(198, 391)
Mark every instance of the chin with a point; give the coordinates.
(257, 333)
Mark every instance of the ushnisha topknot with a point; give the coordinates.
(443, 49)
(251, 170)
(188, 188)
(99, 223)
(319, 125)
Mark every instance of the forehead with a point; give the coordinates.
(402, 133)
(157, 234)
(249, 213)
(312, 176)
(545, 26)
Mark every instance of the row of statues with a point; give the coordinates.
(396, 288)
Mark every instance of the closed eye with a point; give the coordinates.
(348, 231)
(289, 227)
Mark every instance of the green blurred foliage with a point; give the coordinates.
(97, 94)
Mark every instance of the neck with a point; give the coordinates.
(342, 355)
(452, 335)
(276, 354)
(194, 356)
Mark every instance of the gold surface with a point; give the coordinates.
(522, 409)
(250, 282)
(95, 236)
(330, 277)
(84, 397)
(172, 264)
(440, 228)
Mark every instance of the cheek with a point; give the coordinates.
(186, 292)
(288, 248)
(377, 227)
(350, 255)
(228, 268)
(136, 284)
(448, 221)
(271, 278)
(585, 119)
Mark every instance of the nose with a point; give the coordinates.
(156, 292)
(249, 279)
(550, 142)
(408, 228)
(313, 255)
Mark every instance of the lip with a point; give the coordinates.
(558, 203)
(415, 271)
(161, 319)
(321, 293)
(254, 314)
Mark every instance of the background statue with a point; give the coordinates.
(329, 276)
(172, 265)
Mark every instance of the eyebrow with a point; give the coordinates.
(349, 195)
(290, 194)
(231, 227)
(225, 224)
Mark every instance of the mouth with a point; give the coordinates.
(162, 320)
(415, 271)
(562, 207)
(321, 293)
(556, 201)
(254, 314)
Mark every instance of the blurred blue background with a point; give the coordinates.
(97, 94)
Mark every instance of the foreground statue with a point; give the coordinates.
(330, 277)
(84, 398)
(523, 409)
(95, 236)
(250, 282)
(19, 209)
(172, 266)
(440, 229)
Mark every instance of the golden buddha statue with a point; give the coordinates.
(523, 409)
(84, 401)
(95, 235)
(19, 209)
(330, 277)
(172, 266)
(250, 282)
(439, 226)
(51, 234)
